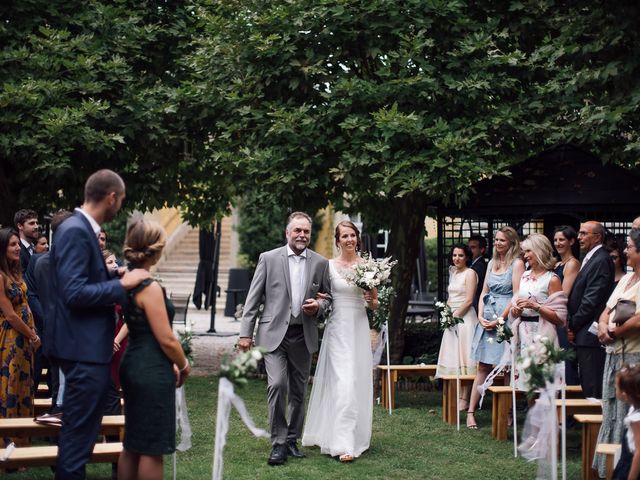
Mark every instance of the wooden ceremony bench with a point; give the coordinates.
(449, 397)
(47, 455)
(501, 403)
(610, 450)
(406, 371)
(576, 406)
(590, 428)
(43, 405)
(27, 427)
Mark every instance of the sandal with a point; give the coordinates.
(346, 458)
(471, 425)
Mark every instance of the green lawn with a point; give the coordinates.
(411, 444)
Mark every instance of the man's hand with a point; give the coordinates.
(133, 278)
(571, 336)
(244, 344)
(310, 307)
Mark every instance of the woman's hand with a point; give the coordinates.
(516, 311)
(486, 324)
(183, 374)
(523, 303)
(603, 334)
(116, 346)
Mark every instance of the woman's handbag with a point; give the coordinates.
(625, 309)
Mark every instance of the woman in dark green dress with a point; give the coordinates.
(153, 365)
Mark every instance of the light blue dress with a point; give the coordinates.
(499, 296)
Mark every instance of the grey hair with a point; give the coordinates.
(295, 215)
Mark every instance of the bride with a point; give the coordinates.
(341, 404)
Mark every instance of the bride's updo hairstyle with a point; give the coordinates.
(351, 225)
(145, 240)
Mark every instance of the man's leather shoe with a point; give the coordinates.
(292, 449)
(278, 455)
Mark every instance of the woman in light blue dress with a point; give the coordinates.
(503, 278)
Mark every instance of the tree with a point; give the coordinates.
(389, 107)
(95, 84)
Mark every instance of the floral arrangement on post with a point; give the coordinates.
(539, 360)
(447, 320)
(372, 273)
(503, 331)
(237, 369)
(186, 339)
(381, 315)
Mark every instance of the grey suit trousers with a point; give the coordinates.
(288, 368)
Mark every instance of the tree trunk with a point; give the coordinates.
(407, 226)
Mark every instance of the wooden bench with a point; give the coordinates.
(43, 405)
(577, 406)
(47, 455)
(610, 450)
(405, 370)
(449, 397)
(27, 427)
(590, 429)
(501, 403)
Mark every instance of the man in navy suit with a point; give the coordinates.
(587, 300)
(81, 331)
(26, 222)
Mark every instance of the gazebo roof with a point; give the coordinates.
(560, 180)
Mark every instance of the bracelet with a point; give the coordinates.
(186, 365)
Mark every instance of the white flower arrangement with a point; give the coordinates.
(447, 320)
(371, 273)
(237, 369)
(539, 360)
(503, 331)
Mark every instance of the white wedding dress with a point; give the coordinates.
(341, 404)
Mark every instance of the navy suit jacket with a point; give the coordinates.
(589, 295)
(25, 256)
(32, 292)
(82, 325)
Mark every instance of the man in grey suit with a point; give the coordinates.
(287, 280)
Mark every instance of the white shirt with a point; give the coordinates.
(296, 274)
(92, 221)
(28, 245)
(589, 254)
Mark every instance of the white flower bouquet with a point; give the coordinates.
(503, 331)
(237, 369)
(371, 273)
(539, 360)
(447, 320)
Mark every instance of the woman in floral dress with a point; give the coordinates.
(18, 338)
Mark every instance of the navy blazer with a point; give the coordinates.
(25, 256)
(589, 295)
(32, 292)
(82, 324)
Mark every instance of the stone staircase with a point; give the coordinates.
(179, 268)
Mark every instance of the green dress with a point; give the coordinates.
(148, 384)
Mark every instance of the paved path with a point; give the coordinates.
(209, 349)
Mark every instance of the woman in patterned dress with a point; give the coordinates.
(18, 337)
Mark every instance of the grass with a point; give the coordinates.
(411, 444)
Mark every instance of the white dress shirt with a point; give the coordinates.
(297, 270)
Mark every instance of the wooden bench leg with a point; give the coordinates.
(445, 400)
(383, 389)
(500, 415)
(589, 441)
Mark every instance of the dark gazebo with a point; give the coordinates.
(561, 186)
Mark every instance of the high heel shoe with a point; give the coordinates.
(471, 421)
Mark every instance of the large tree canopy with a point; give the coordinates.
(388, 107)
(93, 84)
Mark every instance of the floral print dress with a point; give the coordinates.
(16, 368)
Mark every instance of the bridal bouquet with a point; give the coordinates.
(371, 273)
(447, 320)
(503, 331)
(237, 369)
(539, 360)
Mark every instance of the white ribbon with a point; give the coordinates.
(504, 362)
(382, 340)
(540, 432)
(226, 398)
(8, 451)
(182, 424)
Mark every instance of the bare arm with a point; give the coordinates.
(485, 290)
(122, 334)
(570, 273)
(470, 284)
(151, 300)
(12, 317)
(555, 286)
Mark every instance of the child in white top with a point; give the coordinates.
(628, 390)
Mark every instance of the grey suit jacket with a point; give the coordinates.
(271, 285)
